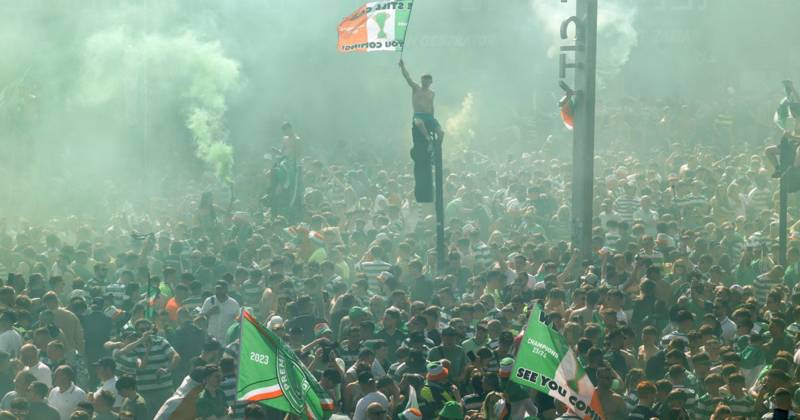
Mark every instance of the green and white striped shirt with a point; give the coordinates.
(744, 406)
(157, 356)
(706, 405)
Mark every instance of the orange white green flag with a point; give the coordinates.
(376, 26)
(546, 363)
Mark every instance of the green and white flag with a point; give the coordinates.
(788, 106)
(783, 113)
(547, 364)
(270, 374)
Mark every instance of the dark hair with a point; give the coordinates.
(254, 412)
(227, 365)
(126, 382)
(385, 381)
(67, 370)
(107, 397)
(80, 415)
(39, 388)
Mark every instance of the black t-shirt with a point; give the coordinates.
(544, 402)
(642, 412)
(435, 336)
(393, 342)
(188, 340)
(97, 327)
(421, 289)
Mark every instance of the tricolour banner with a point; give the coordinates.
(547, 364)
(376, 26)
(270, 374)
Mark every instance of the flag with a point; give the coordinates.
(412, 410)
(783, 113)
(547, 364)
(376, 26)
(270, 374)
(412, 399)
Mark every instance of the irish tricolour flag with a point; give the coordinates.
(376, 26)
(547, 364)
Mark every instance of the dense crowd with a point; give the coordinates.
(682, 312)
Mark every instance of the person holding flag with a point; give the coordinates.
(422, 102)
(424, 125)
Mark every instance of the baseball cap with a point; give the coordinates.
(357, 311)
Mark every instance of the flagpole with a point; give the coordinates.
(408, 25)
(238, 361)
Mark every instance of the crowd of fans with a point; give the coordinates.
(682, 312)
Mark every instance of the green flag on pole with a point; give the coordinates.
(546, 363)
(270, 374)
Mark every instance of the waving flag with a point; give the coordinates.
(783, 113)
(547, 364)
(412, 406)
(376, 26)
(270, 374)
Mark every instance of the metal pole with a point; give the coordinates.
(583, 140)
(785, 158)
(441, 258)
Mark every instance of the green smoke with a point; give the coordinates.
(175, 72)
(206, 130)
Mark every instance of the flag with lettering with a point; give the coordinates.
(376, 26)
(546, 363)
(271, 374)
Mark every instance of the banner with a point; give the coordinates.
(271, 375)
(547, 364)
(376, 26)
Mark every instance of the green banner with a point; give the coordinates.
(546, 363)
(271, 375)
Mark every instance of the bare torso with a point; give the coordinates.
(613, 405)
(291, 146)
(422, 100)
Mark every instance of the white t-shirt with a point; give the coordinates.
(366, 400)
(66, 402)
(10, 342)
(186, 385)
(111, 386)
(169, 407)
(218, 324)
(42, 373)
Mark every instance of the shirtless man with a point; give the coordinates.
(613, 404)
(422, 101)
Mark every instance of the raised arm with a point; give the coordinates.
(407, 76)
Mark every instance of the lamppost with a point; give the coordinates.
(584, 51)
